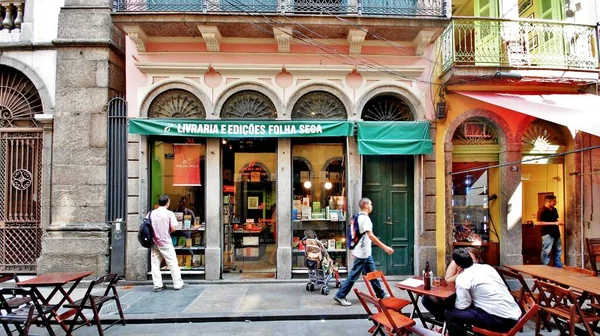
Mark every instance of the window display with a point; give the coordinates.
(177, 169)
(319, 200)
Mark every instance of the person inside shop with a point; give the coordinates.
(273, 257)
(547, 217)
(438, 307)
(482, 299)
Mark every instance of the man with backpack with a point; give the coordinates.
(363, 259)
(163, 223)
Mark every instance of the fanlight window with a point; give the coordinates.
(319, 105)
(19, 99)
(176, 103)
(248, 104)
(475, 132)
(387, 108)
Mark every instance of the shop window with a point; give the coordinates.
(319, 200)
(178, 170)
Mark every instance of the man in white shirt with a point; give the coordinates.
(363, 260)
(163, 223)
(482, 299)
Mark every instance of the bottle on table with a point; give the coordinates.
(427, 277)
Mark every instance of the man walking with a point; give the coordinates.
(363, 260)
(482, 299)
(547, 216)
(163, 223)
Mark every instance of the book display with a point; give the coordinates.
(319, 202)
(188, 241)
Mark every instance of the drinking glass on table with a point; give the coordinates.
(436, 281)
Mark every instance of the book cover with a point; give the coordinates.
(181, 241)
(196, 260)
(197, 240)
(174, 240)
(179, 260)
(187, 221)
(188, 242)
(331, 244)
(316, 207)
(188, 261)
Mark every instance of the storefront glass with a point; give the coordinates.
(249, 206)
(178, 169)
(319, 205)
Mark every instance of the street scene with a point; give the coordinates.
(270, 167)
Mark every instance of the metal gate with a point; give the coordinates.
(20, 205)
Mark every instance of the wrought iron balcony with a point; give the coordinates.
(410, 8)
(519, 43)
(12, 16)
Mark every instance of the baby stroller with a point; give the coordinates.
(319, 264)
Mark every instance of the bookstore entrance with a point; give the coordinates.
(249, 208)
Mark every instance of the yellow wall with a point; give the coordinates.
(541, 178)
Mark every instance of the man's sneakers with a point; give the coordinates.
(342, 301)
(182, 287)
(385, 295)
(159, 289)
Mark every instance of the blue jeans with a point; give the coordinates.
(360, 267)
(457, 320)
(548, 243)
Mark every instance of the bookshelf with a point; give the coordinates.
(332, 235)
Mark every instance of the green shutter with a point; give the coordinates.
(394, 138)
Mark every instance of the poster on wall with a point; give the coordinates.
(186, 164)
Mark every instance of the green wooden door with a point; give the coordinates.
(388, 182)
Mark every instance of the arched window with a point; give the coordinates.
(248, 104)
(176, 103)
(387, 108)
(19, 99)
(319, 105)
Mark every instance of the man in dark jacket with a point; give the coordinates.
(548, 217)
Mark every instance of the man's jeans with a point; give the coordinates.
(457, 320)
(360, 267)
(548, 243)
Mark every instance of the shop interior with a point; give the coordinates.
(249, 208)
(178, 170)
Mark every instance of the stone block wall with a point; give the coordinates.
(90, 71)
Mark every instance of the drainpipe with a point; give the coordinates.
(582, 198)
(422, 191)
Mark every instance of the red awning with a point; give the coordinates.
(578, 111)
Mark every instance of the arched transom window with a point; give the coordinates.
(248, 104)
(319, 105)
(387, 108)
(19, 99)
(176, 103)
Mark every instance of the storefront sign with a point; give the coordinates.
(186, 164)
(241, 129)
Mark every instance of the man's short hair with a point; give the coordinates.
(163, 200)
(462, 258)
(363, 201)
(548, 198)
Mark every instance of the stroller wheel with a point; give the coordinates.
(325, 290)
(307, 286)
(311, 287)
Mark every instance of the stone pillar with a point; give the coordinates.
(214, 204)
(87, 76)
(425, 210)
(284, 208)
(511, 237)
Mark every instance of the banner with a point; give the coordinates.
(241, 129)
(186, 164)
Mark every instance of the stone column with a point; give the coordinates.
(89, 72)
(213, 203)
(511, 237)
(284, 208)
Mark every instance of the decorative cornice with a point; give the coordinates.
(355, 39)
(212, 37)
(283, 36)
(138, 36)
(422, 40)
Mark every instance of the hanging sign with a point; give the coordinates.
(186, 164)
(241, 128)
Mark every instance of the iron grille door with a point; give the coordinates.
(20, 206)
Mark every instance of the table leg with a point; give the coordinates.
(415, 302)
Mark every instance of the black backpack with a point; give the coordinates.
(146, 233)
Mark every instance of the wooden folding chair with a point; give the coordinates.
(519, 293)
(14, 302)
(390, 302)
(95, 302)
(562, 305)
(593, 246)
(531, 308)
(22, 316)
(385, 321)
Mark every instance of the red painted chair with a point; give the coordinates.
(384, 320)
(390, 302)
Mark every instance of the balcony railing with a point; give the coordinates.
(519, 43)
(12, 16)
(411, 8)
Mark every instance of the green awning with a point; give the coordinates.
(241, 128)
(394, 138)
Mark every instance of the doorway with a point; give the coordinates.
(249, 196)
(388, 182)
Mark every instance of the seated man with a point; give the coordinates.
(482, 299)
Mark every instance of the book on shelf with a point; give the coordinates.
(197, 240)
(188, 242)
(187, 221)
(174, 240)
(180, 260)
(187, 260)
(181, 241)
(316, 207)
(331, 244)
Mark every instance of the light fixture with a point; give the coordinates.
(307, 184)
(468, 180)
(328, 185)
(224, 141)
